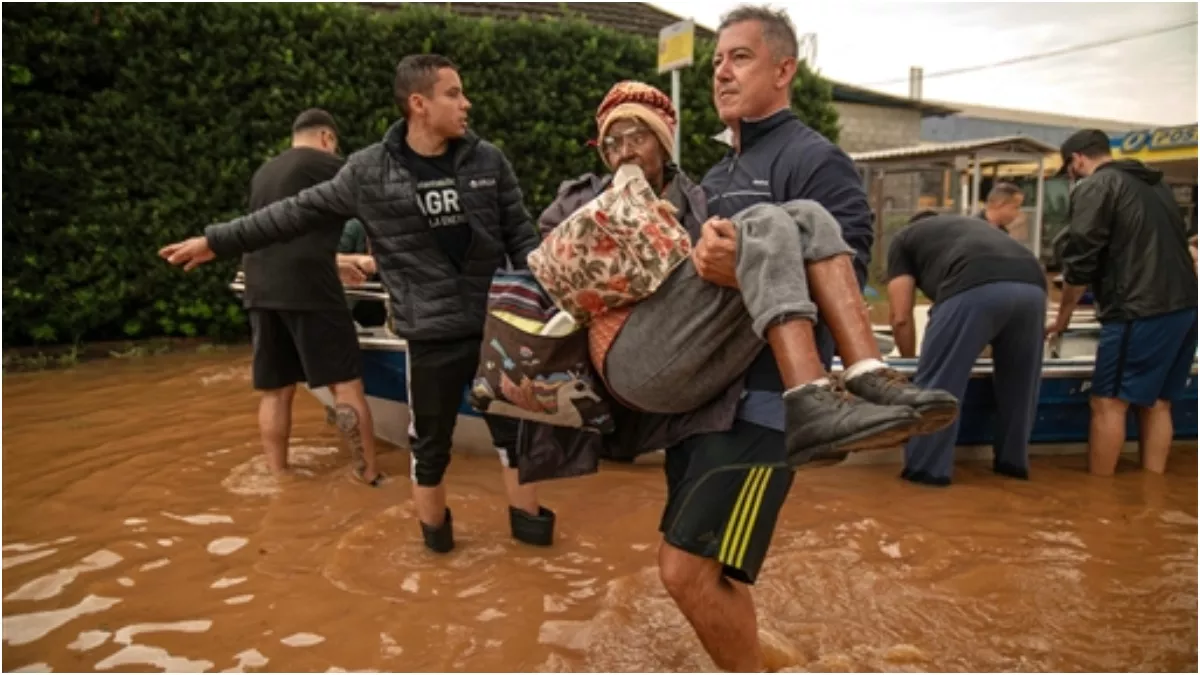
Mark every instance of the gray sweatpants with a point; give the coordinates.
(689, 341)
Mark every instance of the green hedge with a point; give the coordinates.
(127, 126)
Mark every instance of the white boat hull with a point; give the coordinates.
(393, 423)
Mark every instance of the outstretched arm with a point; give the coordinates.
(284, 220)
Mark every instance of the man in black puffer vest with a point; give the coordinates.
(443, 211)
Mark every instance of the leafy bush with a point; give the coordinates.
(128, 126)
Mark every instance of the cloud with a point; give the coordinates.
(1150, 80)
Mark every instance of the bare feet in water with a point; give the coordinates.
(374, 481)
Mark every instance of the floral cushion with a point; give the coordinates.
(613, 252)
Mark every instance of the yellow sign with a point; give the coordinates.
(1153, 140)
(676, 46)
(1153, 147)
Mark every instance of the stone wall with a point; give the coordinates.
(872, 127)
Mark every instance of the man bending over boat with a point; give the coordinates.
(987, 289)
(443, 212)
(691, 340)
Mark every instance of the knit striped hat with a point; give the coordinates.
(640, 101)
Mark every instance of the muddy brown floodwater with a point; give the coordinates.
(141, 532)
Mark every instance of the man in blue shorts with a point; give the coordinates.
(1128, 241)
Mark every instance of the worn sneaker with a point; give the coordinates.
(822, 419)
(885, 386)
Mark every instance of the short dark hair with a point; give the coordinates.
(313, 118)
(416, 74)
(777, 28)
(1002, 192)
(922, 215)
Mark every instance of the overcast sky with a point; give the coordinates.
(1150, 79)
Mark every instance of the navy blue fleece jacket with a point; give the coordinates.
(782, 160)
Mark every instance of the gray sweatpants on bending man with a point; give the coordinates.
(690, 340)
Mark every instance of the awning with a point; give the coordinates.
(998, 149)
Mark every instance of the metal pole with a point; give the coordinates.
(1041, 207)
(878, 183)
(678, 111)
(976, 179)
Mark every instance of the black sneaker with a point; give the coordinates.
(885, 386)
(439, 539)
(822, 420)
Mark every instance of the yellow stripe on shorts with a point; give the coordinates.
(742, 519)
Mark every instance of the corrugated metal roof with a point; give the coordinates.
(992, 113)
(1022, 144)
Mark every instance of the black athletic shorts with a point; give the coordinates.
(724, 493)
(317, 347)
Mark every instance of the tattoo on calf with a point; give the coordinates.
(347, 424)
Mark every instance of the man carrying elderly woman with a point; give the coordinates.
(687, 343)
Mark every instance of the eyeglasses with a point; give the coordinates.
(636, 138)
